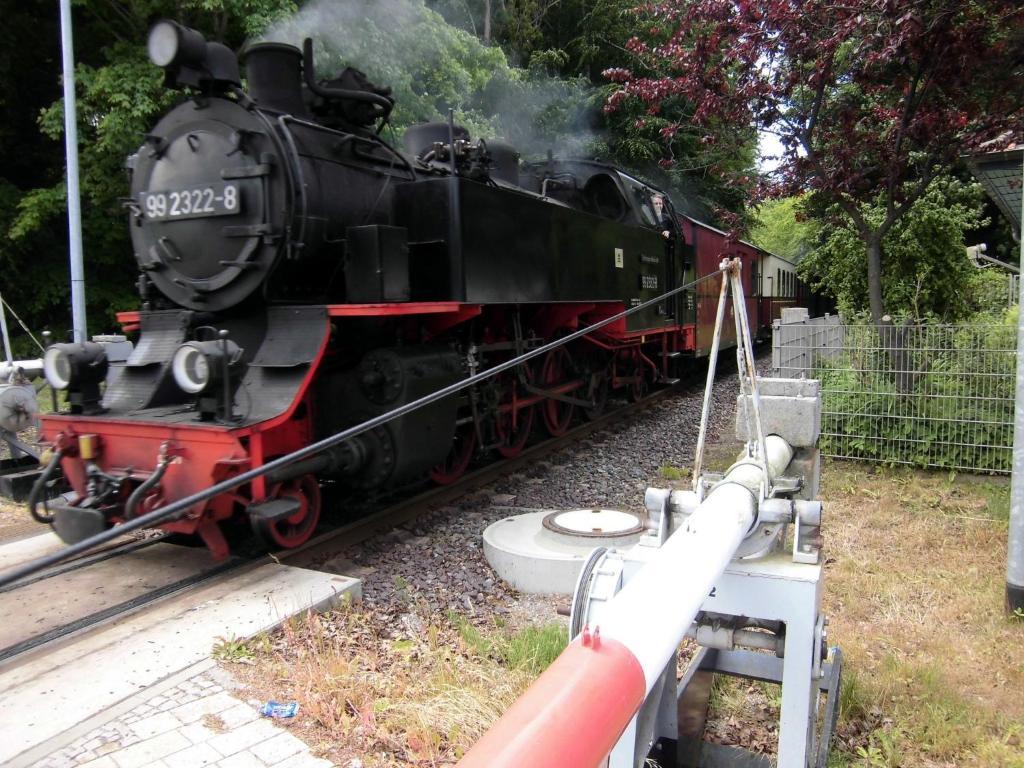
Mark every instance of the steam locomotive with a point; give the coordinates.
(298, 275)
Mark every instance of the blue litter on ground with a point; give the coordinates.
(280, 709)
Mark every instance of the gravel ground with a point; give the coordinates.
(438, 559)
(14, 518)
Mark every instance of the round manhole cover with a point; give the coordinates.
(598, 523)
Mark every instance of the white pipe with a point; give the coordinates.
(726, 638)
(6, 335)
(1015, 540)
(31, 368)
(651, 620)
(74, 196)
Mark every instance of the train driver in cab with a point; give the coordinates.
(662, 217)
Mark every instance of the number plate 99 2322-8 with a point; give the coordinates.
(216, 199)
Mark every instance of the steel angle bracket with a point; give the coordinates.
(832, 679)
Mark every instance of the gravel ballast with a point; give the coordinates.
(438, 561)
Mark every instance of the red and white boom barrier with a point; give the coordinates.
(574, 713)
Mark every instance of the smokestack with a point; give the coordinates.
(275, 77)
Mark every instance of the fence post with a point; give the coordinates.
(776, 347)
(1015, 541)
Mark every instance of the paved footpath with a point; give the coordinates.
(195, 722)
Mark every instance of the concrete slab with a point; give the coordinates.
(51, 693)
(180, 704)
(536, 559)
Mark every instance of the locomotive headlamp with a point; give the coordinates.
(198, 364)
(189, 61)
(69, 366)
(171, 44)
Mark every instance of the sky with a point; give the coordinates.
(768, 145)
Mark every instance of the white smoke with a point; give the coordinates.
(432, 66)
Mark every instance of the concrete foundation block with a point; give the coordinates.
(790, 408)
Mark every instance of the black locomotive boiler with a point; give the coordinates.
(298, 274)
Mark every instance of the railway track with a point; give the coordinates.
(152, 570)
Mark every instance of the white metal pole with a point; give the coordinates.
(74, 198)
(652, 623)
(705, 411)
(1015, 541)
(6, 335)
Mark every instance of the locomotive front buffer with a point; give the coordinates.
(734, 563)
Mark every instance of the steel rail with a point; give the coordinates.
(343, 536)
(83, 562)
(120, 609)
(180, 507)
(405, 509)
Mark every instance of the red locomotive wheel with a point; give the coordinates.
(514, 432)
(457, 461)
(294, 531)
(557, 414)
(638, 389)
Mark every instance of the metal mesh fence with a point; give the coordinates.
(926, 395)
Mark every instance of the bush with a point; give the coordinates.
(927, 395)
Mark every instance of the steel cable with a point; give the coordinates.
(180, 507)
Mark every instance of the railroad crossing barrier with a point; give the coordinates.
(734, 563)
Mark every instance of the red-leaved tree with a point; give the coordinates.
(870, 98)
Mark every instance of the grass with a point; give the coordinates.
(914, 589)
(233, 650)
(914, 586)
(668, 472)
(419, 693)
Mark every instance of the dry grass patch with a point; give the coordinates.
(914, 588)
(914, 584)
(413, 689)
(915, 581)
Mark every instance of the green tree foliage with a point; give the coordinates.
(590, 34)
(574, 42)
(27, 84)
(867, 99)
(120, 95)
(926, 268)
(430, 66)
(551, 100)
(783, 227)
